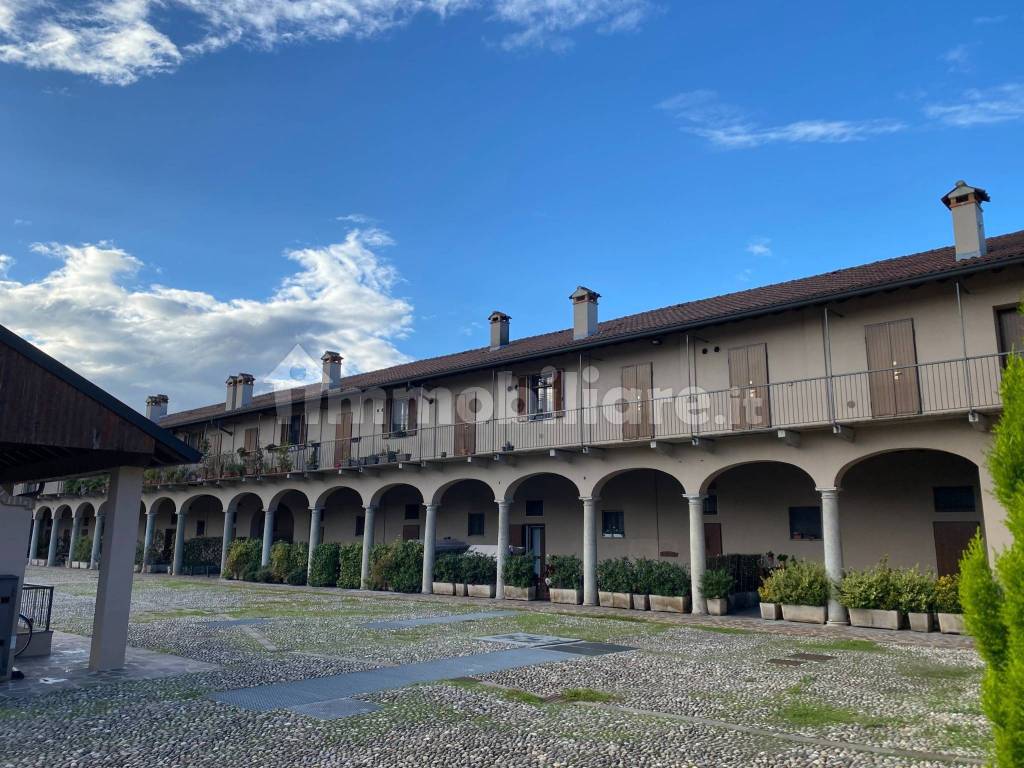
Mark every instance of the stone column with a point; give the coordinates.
(429, 548)
(268, 536)
(229, 536)
(51, 553)
(698, 551)
(179, 543)
(370, 513)
(503, 508)
(33, 544)
(94, 556)
(147, 541)
(76, 533)
(316, 516)
(589, 549)
(114, 589)
(833, 551)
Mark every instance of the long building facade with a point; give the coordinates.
(843, 417)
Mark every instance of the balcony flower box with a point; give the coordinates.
(520, 593)
(614, 599)
(480, 590)
(666, 604)
(718, 606)
(951, 623)
(921, 622)
(771, 611)
(874, 618)
(640, 602)
(566, 596)
(443, 588)
(806, 614)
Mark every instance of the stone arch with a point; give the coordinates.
(713, 476)
(950, 450)
(247, 498)
(325, 497)
(342, 515)
(292, 498)
(601, 482)
(437, 496)
(86, 508)
(157, 503)
(198, 500)
(515, 485)
(384, 490)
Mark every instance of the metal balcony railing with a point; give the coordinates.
(952, 386)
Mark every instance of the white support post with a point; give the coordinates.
(76, 534)
(97, 534)
(179, 543)
(833, 552)
(51, 553)
(698, 551)
(369, 513)
(503, 509)
(114, 591)
(229, 537)
(268, 536)
(429, 548)
(33, 545)
(589, 550)
(316, 516)
(147, 541)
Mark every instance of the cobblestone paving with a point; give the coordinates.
(693, 693)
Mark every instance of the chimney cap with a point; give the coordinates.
(331, 357)
(583, 293)
(245, 378)
(231, 380)
(962, 192)
(157, 399)
(498, 317)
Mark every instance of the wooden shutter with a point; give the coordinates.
(712, 539)
(252, 439)
(343, 439)
(748, 382)
(410, 532)
(465, 426)
(1011, 330)
(904, 356)
(388, 405)
(523, 396)
(892, 362)
(558, 390)
(302, 429)
(284, 433)
(215, 440)
(637, 381)
(951, 539)
(412, 422)
(517, 536)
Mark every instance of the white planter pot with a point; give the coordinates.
(566, 596)
(480, 590)
(808, 614)
(80, 564)
(665, 604)
(876, 619)
(614, 599)
(640, 602)
(718, 606)
(771, 611)
(443, 588)
(460, 590)
(520, 593)
(921, 622)
(951, 623)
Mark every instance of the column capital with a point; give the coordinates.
(151, 513)
(695, 496)
(828, 491)
(499, 502)
(591, 499)
(435, 507)
(370, 508)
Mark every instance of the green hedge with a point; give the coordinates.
(323, 571)
(616, 575)
(449, 568)
(800, 582)
(669, 579)
(519, 571)
(244, 559)
(397, 567)
(203, 551)
(565, 571)
(716, 583)
(350, 566)
(83, 549)
(478, 568)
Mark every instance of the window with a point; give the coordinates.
(360, 525)
(542, 395)
(200, 527)
(805, 523)
(535, 508)
(293, 431)
(613, 524)
(476, 524)
(412, 511)
(399, 416)
(954, 498)
(711, 502)
(252, 439)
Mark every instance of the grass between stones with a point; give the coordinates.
(865, 646)
(926, 671)
(512, 694)
(573, 695)
(803, 714)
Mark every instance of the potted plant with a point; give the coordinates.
(715, 585)
(917, 599)
(643, 584)
(771, 604)
(565, 579)
(947, 605)
(670, 588)
(519, 578)
(615, 582)
(803, 589)
(872, 597)
(448, 572)
(481, 574)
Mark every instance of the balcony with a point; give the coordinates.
(961, 386)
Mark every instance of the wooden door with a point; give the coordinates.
(712, 539)
(951, 539)
(465, 425)
(410, 532)
(1010, 324)
(343, 440)
(748, 380)
(892, 361)
(637, 383)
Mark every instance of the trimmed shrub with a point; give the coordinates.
(350, 566)
(397, 567)
(264, 576)
(203, 551)
(449, 568)
(83, 549)
(801, 582)
(716, 583)
(565, 572)
(323, 570)
(297, 577)
(299, 556)
(615, 575)
(947, 594)
(916, 590)
(644, 576)
(872, 588)
(280, 561)
(519, 571)
(769, 589)
(479, 569)
(243, 558)
(669, 579)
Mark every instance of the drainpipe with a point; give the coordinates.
(963, 340)
(827, 349)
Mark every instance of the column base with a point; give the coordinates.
(837, 623)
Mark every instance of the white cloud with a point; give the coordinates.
(356, 218)
(22, 223)
(759, 246)
(119, 41)
(91, 313)
(982, 20)
(958, 58)
(703, 114)
(1001, 104)
(5, 264)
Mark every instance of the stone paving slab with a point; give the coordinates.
(430, 620)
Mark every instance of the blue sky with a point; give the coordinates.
(433, 167)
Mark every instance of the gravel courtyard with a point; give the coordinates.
(686, 696)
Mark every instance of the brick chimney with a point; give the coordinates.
(499, 329)
(964, 202)
(584, 312)
(231, 399)
(245, 385)
(332, 369)
(156, 407)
